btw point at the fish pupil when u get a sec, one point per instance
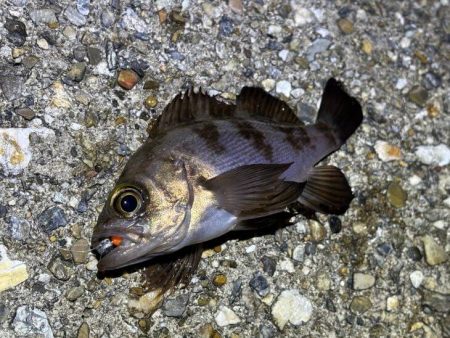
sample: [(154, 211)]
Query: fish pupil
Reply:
[(129, 203)]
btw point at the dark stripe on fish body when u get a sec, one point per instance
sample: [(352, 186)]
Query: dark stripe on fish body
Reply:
[(258, 139), (296, 137), (209, 133)]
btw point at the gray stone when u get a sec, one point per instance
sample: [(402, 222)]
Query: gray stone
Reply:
[(74, 293), (26, 113), (418, 95), (260, 284), (83, 6), (437, 301), (318, 46), (269, 265), (74, 16), (111, 56), (94, 55), (43, 16), (11, 84), (30, 321), (76, 72), (80, 251), (17, 32), (51, 219), (362, 281), (18, 228), (176, 307), (59, 269), (360, 304), (226, 26), (107, 18)]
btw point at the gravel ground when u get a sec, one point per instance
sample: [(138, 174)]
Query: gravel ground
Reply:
[(79, 81)]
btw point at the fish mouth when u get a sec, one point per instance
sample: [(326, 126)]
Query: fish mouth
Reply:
[(133, 247)]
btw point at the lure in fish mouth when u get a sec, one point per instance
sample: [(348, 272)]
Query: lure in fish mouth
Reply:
[(209, 168)]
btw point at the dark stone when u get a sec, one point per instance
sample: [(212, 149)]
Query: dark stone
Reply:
[(269, 265), (267, 331), (225, 26), (274, 45), (384, 249), (174, 54), (26, 113), (344, 12), (123, 150), (436, 301), (335, 224), (18, 229), (310, 249), (432, 80), (3, 211), (3, 313), (59, 269), (329, 304), (51, 219), (94, 55), (176, 307), (260, 284), (111, 56), (17, 32), (236, 291), (414, 253), (80, 53)]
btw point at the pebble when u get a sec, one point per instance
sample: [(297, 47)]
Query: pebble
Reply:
[(302, 15), (418, 95), (260, 284), (225, 316), (284, 88), (396, 195), (269, 265), (335, 224), (175, 307), (226, 26), (3, 211), (74, 16), (416, 278), (414, 253), (51, 219), (367, 46), (18, 228), (287, 265), (58, 269), (107, 18), (43, 15), (432, 80), (151, 102), (83, 6), (11, 84), (434, 155), (80, 250), (236, 6), (42, 43), (434, 253), (94, 55), (360, 304), (345, 25), (111, 56), (438, 302), (30, 321), (318, 46), (83, 331), (384, 249), (74, 293), (299, 253), (387, 152), (12, 273), (268, 84), (363, 281), (17, 32), (219, 280), (317, 231), (292, 307), (27, 113), (392, 303), (127, 79), (76, 72)]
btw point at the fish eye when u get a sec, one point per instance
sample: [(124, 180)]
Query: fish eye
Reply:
[(128, 201)]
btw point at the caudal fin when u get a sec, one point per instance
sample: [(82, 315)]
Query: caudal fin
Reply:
[(339, 111), (326, 191)]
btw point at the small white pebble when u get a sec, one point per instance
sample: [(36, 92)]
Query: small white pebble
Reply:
[(250, 248), (42, 43), (416, 278), (440, 224), (284, 87), (434, 155), (414, 180), (287, 265), (297, 92), (225, 316), (283, 54), (268, 84), (401, 83)]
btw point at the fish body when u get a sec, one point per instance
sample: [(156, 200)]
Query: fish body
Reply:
[(209, 168)]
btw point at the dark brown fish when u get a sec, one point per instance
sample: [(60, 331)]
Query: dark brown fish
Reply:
[(209, 168)]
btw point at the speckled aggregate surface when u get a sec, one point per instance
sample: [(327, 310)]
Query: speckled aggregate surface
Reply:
[(385, 273)]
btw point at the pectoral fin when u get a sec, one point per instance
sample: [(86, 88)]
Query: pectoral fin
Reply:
[(168, 271), (326, 191), (254, 190)]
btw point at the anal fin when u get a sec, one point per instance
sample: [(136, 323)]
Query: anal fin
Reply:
[(326, 191)]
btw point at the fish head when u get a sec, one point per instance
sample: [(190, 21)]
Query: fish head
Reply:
[(146, 214)]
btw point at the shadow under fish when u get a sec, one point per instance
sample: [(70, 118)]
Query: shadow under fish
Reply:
[(210, 169)]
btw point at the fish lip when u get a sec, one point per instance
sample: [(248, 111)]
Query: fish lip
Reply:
[(121, 257)]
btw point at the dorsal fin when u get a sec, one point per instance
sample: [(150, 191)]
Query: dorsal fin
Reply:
[(189, 107), (254, 102)]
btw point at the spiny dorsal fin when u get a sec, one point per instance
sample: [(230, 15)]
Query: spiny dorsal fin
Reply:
[(254, 102), (191, 107)]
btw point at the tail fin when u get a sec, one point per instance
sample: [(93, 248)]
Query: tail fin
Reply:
[(326, 191), (339, 111)]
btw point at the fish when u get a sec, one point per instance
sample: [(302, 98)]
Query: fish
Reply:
[(210, 167)]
